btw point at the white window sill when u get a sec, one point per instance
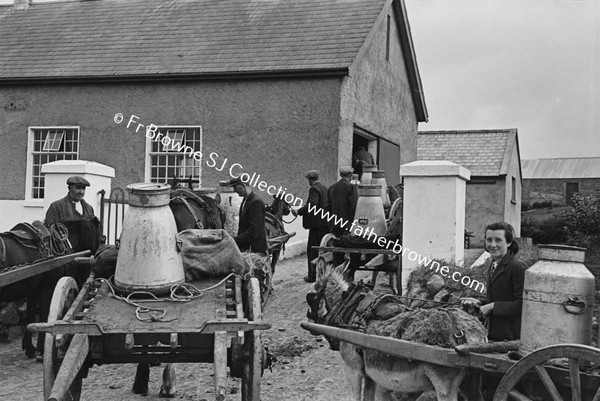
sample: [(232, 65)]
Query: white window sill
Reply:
[(33, 203)]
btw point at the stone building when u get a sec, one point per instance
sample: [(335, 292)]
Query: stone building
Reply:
[(556, 180), (274, 88), (492, 156)]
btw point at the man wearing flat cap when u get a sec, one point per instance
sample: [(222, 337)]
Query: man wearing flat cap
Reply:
[(342, 202), (252, 236), (72, 205), (316, 226)]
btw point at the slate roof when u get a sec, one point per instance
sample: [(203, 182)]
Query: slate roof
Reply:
[(483, 152), (561, 168), (124, 37)]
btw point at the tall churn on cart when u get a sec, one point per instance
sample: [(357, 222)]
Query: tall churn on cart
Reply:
[(558, 298), (148, 256), (378, 178), (367, 174), (369, 209)]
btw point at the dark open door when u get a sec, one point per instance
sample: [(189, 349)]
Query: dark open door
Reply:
[(572, 189), (389, 160)]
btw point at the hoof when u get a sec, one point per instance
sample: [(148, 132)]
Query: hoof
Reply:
[(166, 392), (140, 387)]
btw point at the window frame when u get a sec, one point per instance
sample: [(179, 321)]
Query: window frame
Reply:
[(29, 199), (149, 153)]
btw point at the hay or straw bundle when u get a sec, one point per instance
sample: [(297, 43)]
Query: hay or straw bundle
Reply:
[(257, 265)]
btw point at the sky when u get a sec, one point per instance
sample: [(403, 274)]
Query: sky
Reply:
[(533, 65)]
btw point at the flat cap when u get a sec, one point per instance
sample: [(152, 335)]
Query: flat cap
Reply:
[(346, 170), (312, 174), (79, 181), (232, 182)]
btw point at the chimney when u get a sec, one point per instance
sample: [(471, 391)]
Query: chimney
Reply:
[(22, 4)]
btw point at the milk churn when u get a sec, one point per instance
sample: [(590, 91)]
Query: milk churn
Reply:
[(558, 299), (367, 174), (148, 256), (354, 179), (230, 203), (369, 209), (379, 179)]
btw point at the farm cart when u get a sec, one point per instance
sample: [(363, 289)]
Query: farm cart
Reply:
[(563, 379), (221, 326), (15, 274)]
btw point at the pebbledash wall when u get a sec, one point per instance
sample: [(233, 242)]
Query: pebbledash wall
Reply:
[(376, 97)]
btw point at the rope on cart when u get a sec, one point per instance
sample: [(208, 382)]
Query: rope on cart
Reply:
[(152, 314)]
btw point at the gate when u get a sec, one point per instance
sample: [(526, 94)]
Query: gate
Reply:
[(112, 213)]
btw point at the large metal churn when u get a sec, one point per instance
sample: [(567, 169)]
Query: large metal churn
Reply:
[(148, 256)]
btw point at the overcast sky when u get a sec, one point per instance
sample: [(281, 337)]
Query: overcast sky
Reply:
[(533, 65)]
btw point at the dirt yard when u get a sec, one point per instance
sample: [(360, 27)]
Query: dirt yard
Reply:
[(305, 368)]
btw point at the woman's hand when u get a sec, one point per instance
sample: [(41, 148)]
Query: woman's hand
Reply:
[(470, 302), (487, 309)]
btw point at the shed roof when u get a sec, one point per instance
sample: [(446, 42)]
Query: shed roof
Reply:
[(483, 152), (575, 167)]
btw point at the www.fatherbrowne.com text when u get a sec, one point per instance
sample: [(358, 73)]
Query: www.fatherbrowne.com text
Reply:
[(237, 170)]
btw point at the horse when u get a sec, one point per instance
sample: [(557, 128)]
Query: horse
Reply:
[(369, 371), (20, 248)]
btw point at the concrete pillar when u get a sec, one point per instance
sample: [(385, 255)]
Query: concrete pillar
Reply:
[(57, 173), (434, 213)]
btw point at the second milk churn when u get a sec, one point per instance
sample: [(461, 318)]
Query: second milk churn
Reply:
[(367, 174), (369, 209), (379, 179), (148, 256), (558, 298), (230, 203)]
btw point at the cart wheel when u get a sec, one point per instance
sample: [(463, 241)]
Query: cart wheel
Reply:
[(396, 208), (253, 363), (64, 294), (535, 361), (327, 240)]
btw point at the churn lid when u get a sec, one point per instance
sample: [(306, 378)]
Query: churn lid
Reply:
[(149, 194)]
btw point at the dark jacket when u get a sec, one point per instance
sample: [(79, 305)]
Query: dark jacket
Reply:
[(317, 196), (65, 209), (505, 290), (251, 233), (342, 202)]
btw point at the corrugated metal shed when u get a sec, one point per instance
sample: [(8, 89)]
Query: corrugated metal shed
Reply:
[(483, 152), (581, 167)]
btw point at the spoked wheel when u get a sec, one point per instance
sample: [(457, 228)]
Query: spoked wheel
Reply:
[(576, 354), (254, 353), (55, 347)]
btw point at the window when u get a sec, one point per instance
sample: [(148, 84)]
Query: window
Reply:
[(173, 157), (513, 197), (48, 145)]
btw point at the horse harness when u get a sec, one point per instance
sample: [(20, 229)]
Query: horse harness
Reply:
[(180, 195), (48, 243), (358, 305)]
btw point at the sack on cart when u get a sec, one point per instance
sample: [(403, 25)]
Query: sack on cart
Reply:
[(209, 253)]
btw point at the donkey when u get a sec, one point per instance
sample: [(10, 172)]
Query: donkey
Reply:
[(368, 370)]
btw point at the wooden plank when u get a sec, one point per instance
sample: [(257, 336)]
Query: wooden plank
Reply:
[(44, 266), (390, 346), (93, 329), (483, 348), (575, 379), (488, 363), (70, 366), (220, 365), (375, 251), (239, 307)]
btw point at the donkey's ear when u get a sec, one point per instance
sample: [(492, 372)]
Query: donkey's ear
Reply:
[(322, 269), (341, 269)]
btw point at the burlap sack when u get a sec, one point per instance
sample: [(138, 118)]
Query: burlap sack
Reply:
[(209, 253)]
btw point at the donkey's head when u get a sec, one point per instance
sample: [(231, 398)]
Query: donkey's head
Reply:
[(326, 291)]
